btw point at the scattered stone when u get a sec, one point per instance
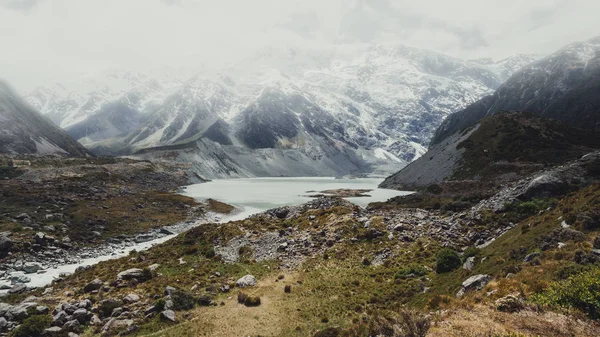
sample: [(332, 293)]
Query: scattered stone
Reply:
[(287, 289), (224, 288), (81, 315), (60, 319), (134, 273), (107, 306), (54, 331), (19, 277), (93, 285), (131, 298), (114, 325), (469, 263), (168, 315), (31, 267), (17, 289), (246, 281), (6, 244), (73, 326), (153, 267), (476, 282)]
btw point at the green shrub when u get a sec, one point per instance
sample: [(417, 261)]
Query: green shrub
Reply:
[(159, 304), (580, 291), (532, 207), (414, 269), (33, 326), (470, 252), (447, 260)]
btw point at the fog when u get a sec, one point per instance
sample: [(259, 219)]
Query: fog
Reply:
[(61, 39)]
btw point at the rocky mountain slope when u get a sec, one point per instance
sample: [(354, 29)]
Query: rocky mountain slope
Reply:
[(374, 107), (562, 86), (23, 130), (498, 148)]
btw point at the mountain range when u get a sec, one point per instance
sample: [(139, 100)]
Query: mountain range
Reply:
[(296, 112), (557, 118)]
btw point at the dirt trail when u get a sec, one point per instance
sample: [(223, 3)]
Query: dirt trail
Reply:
[(276, 314)]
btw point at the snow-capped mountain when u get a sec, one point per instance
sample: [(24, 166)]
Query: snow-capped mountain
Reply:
[(23, 130), (563, 86), (374, 106)]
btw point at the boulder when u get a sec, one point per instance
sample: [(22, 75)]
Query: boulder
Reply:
[(131, 298), (60, 319), (476, 282), (4, 308), (107, 306), (469, 263), (93, 285), (21, 311), (31, 267), (6, 244), (246, 281), (168, 315), (114, 326), (82, 316), (19, 277), (134, 273), (545, 185), (73, 326)]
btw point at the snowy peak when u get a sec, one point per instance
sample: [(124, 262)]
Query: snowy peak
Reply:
[(564, 86)]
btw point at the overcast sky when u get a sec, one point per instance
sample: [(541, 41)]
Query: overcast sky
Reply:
[(60, 39)]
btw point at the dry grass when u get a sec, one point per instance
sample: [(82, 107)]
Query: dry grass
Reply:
[(482, 321)]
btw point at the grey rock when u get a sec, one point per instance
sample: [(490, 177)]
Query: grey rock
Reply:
[(531, 257), (17, 289), (60, 319), (469, 263), (476, 282), (134, 273), (131, 298), (19, 277), (107, 306), (54, 331), (114, 325), (73, 326), (168, 315), (31, 267), (82, 315), (246, 281), (6, 244), (93, 285)]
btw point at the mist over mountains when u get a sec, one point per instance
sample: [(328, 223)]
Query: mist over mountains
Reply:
[(369, 110)]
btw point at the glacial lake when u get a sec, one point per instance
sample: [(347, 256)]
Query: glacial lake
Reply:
[(249, 196), (255, 195)]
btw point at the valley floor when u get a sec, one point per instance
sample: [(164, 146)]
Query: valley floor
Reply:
[(422, 265)]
